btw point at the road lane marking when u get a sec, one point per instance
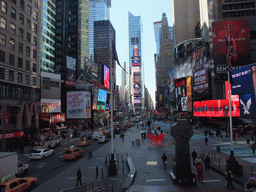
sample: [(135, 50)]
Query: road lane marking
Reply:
[(155, 180), (209, 181), (70, 178)]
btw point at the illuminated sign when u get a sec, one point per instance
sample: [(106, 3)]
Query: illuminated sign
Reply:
[(71, 71), (180, 83), (106, 76), (136, 70)]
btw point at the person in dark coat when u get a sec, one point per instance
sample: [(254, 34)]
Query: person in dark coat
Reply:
[(194, 156), (164, 158), (78, 177), (205, 132), (229, 177), (206, 140), (207, 163), (253, 147)]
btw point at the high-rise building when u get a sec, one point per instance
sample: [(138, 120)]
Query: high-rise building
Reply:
[(157, 29), (20, 34), (165, 59), (104, 35), (135, 57), (98, 10), (48, 36)]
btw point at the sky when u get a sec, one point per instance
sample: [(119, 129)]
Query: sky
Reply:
[(150, 12)]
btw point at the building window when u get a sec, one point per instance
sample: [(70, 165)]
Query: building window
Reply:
[(29, 10), (2, 73), (28, 51), (27, 79), (11, 75), (21, 19), (22, 4), (28, 37), (34, 81), (2, 56), (12, 28), (19, 77), (35, 15), (27, 65), (20, 48), (4, 6), (2, 39), (21, 33), (20, 62), (14, 1), (11, 59), (34, 54), (34, 67), (35, 28), (13, 13), (2, 23), (12, 44), (36, 3), (28, 23), (35, 41)]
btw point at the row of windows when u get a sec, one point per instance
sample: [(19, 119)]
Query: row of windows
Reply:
[(239, 14), (19, 77), (19, 62), (15, 92), (12, 46)]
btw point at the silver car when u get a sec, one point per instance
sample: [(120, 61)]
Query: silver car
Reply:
[(41, 153), (103, 139)]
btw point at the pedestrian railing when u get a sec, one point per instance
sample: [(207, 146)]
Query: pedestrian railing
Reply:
[(106, 186)]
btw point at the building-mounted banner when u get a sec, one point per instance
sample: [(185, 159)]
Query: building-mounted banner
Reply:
[(51, 105), (189, 94), (136, 78), (71, 72), (78, 105), (136, 70), (170, 80), (106, 76), (136, 56), (136, 90)]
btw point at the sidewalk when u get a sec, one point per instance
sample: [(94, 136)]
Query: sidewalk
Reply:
[(218, 160)]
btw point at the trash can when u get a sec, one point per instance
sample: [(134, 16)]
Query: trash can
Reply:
[(218, 149)]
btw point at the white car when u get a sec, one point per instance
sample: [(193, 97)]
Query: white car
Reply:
[(41, 153), (103, 139)]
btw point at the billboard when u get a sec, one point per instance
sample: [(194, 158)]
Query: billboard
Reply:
[(136, 78), (108, 102), (238, 33), (90, 69), (54, 105), (78, 105), (180, 92), (106, 76), (71, 71), (200, 65), (247, 105), (136, 70), (189, 94), (170, 80), (102, 97), (136, 56), (95, 98), (136, 90), (50, 85)]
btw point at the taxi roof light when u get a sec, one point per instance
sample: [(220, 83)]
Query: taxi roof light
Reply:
[(8, 178)]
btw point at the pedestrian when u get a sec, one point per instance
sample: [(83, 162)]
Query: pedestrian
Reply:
[(194, 156), (229, 177), (78, 177), (207, 163), (200, 170), (142, 133), (205, 132), (253, 147), (164, 158), (198, 160), (97, 172), (206, 140), (132, 142), (137, 126)]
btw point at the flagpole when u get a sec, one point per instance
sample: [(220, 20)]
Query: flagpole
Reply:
[(230, 118)]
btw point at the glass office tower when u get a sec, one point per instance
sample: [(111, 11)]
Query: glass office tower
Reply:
[(135, 60), (98, 10)]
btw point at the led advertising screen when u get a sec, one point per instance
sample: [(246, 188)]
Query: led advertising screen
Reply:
[(106, 76), (247, 105), (95, 98), (71, 71), (235, 33), (78, 105), (136, 56), (90, 69), (136, 90), (170, 80), (108, 102), (136, 70), (102, 97), (136, 78), (200, 65)]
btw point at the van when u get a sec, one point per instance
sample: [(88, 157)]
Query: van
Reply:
[(96, 135)]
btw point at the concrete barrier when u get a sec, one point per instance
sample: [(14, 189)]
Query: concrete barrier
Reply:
[(129, 179)]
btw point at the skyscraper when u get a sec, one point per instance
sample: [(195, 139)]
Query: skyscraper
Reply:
[(157, 29), (98, 10), (135, 56)]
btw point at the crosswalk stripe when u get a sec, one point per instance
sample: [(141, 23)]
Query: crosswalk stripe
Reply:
[(155, 180), (208, 181)]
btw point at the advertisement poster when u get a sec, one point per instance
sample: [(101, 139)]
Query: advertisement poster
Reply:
[(136, 78), (54, 105), (200, 65), (184, 106), (136, 70), (102, 97), (238, 33), (136, 90), (247, 106), (90, 69), (71, 71), (189, 94), (95, 98), (181, 91), (170, 80), (136, 56), (108, 102), (106, 76), (78, 105)]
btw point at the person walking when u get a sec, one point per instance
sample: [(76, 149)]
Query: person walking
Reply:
[(206, 140), (78, 177), (253, 147), (198, 160), (205, 132), (229, 177), (194, 156), (200, 170), (97, 172), (207, 163), (164, 158)]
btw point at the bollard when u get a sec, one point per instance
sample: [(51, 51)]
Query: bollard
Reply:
[(251, 172), (219, 162), (102, 173)]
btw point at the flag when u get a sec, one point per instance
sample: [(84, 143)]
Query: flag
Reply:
[(115, 57)]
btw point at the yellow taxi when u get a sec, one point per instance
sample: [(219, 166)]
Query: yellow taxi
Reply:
[(83, 142), (72, 153), (12, 184)]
